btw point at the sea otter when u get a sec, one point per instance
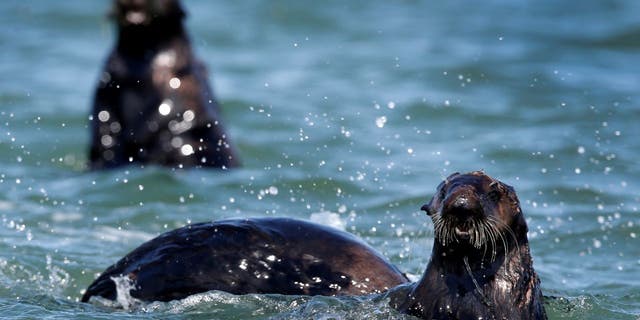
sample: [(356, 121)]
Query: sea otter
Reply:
[(260, 255), (480, 266), (153, 103)]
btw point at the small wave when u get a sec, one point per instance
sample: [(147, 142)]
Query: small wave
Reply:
[(118, 235), (586, 307), (6, 205), (325, 308), (222, 305), (66, 216)]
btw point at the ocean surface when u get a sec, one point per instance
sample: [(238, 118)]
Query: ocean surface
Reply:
[(344, 113)]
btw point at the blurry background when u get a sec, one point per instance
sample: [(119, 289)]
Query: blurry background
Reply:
[(348, 114)]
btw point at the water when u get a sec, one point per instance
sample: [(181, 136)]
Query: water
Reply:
[(347, 113)]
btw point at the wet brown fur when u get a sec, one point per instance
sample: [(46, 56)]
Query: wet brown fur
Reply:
[(261, 255), (127, 126), (480, 265)]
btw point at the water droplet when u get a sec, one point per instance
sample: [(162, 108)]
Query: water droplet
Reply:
[(176, 142), (597, 243), (165, 107), (106, 140), (381, 121), (174, 83), (187, 150), (188, 116), (115, 127), (166, 59), (104, 116)]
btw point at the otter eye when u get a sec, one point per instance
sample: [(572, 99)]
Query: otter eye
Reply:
[(494, 195)]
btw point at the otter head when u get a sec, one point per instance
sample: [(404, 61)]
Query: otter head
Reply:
[(473, 210), (140, 13)]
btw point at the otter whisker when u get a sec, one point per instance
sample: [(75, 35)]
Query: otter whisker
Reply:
[(444, 237), (446, 234), (478, 236), (504, 241), (479, 274), (499, 236), (488, 238), (474, 233), (492, 235), (509, 230), (436, 226), (450, 233), (496, 235), (484, 233), (441, 229)]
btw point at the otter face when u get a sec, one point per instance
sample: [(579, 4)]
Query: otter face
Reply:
[(129, 13), (475, 209)]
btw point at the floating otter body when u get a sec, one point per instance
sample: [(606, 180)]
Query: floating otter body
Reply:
[(153, 103), (480, 266), (262, 255)]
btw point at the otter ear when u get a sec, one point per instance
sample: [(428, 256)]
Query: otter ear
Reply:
[(182, 13), (427, 208), (452, 175), (176, 9), (114, 13)]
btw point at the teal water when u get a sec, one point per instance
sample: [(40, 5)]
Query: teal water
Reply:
[(343, 113)]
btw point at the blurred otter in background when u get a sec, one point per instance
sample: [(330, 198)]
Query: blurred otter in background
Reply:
[(153, 103)]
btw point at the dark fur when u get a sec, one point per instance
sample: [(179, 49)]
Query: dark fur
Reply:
[(151, 49), (507, 286), (265, 255)]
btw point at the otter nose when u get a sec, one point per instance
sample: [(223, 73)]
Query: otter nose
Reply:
[(463, 203)]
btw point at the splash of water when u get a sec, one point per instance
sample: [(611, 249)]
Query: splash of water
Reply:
[(58, 278), (327, 218), (123, 292)]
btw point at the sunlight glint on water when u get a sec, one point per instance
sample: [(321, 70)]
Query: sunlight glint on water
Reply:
[(348, 114)]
